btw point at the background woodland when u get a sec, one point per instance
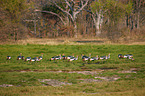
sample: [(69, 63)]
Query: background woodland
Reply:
[(117, 20)]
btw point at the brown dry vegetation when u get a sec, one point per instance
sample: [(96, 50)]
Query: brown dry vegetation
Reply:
[(73, 41)]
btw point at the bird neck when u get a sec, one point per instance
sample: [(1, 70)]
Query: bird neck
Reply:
[(90, 55)]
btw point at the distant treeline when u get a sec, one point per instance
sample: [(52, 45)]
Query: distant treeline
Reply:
[(112, 19)]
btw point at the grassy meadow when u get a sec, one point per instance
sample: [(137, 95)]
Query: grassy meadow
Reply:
[(80, 78)]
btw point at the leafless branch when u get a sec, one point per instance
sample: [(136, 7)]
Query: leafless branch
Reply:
[(55, 15), (67, 12)]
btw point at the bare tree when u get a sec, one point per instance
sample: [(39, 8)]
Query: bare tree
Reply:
[(97, 12), (138, 4), (71, 10)]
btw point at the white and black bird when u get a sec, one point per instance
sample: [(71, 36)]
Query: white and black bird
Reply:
[(55, 57), (52, 58), (34, 59), (104, 57), (28, 59), (37, 59), (94, 58), (107, 56), (64, 57), (41, 57), (20, 57), (68, 57), (129, 56), (85, 58), (58, 57), (8, 57), (125, 56), (120, 56), (73, 58)]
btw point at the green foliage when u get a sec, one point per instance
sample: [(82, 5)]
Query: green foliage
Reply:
[(114, 9), (99, 5), (14, 7), (129, 7)]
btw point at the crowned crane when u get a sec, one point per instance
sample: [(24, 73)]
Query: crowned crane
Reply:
[(120, 56), (129, 56), (102, 57), (64, 57), (94, 58), (125, 56), (108, 56), (34, 59), (37, 59), (73, 58), (56, 57), (52, 58), (8, 57), (105, 57), (86, 58), (68, 57), (23, 57), (28, 59), (41, 57), (20, 57)]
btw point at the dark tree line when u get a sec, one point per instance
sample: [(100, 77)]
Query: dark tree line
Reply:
[(113, 19)]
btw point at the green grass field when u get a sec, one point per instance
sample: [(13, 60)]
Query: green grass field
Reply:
[(80, 78)]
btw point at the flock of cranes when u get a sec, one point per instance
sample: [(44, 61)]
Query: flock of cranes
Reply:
[(20, 57), (72, 58), (129, 56)]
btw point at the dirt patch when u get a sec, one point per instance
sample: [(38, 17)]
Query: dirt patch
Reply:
[(127, 71), (132, 70), (93, 72), (53, 82), (89, 80), (6, 85), (87, 72), (108, 78)]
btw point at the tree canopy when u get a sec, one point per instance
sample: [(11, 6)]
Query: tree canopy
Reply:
[(72, 18)]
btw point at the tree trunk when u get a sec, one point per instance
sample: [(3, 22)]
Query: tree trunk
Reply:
[(127, 21), (98, 32), (97, 21), (138, 16), (97, 25), (17, 36), (75, 30), (35, 27), (14, 35)]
